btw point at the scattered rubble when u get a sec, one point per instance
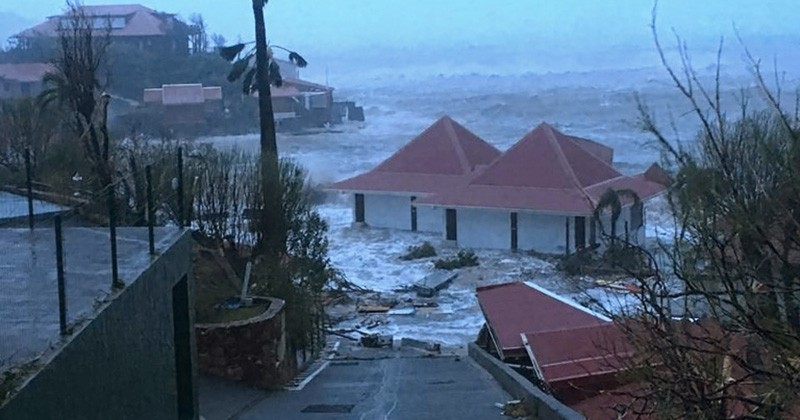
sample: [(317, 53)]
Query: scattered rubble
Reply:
[(422, 345), (514, 408), (430, 285), (377, 341)]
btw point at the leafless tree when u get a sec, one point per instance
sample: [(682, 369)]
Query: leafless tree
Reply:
[(76, 84), (716, 330)]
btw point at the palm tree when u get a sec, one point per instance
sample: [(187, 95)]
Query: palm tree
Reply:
[(612, 200), (259, 78)]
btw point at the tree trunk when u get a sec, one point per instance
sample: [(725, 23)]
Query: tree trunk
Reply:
[(266, 118), (272, 214)]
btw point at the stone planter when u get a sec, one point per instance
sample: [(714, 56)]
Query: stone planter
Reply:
[(250, 351)]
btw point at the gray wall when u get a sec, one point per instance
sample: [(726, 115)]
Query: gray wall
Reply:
[(121, 365), (483, 228), (430, 219), (387, 211)]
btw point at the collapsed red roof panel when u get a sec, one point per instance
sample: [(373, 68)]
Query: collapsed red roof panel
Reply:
[(511, 309), (572, 353)]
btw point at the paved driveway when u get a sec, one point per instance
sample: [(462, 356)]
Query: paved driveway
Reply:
[(400, 387), (366, 383)]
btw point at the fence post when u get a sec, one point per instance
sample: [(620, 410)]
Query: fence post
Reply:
[(151, 213), (29, 185), (181, 220), (112, 227), (62, 295)]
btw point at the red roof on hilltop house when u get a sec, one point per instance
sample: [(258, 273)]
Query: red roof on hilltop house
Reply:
[(140, 21), (440, 158), (512, 309), (24, 72), (547, 171)]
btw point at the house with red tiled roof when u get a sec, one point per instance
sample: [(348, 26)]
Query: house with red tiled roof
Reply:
[(441, 158), (22, 80), (134, 24), (541, 194)]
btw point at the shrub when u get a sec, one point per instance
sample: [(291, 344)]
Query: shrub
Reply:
[(462, 259), (579, 263), (419, 251), (629, 259)]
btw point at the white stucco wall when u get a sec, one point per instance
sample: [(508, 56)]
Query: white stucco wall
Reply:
[(430, 219), (387, 211), (542, 232), (483, 228)]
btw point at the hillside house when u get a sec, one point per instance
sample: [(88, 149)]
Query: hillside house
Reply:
[(22, 80), (300, 103), (442, 157), (541, 194), (187, 107), (133, 24)]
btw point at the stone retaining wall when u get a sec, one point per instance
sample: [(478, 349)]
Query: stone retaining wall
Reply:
[(251, 351)]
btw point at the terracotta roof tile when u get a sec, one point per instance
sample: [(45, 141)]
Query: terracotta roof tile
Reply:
[(441, 157), (545, 171), (24, 72), (140, 21)]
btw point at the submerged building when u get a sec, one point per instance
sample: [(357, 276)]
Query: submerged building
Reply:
[(442, 157), (541, 194)]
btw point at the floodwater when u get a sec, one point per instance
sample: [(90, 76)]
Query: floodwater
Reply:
[(500, 108)]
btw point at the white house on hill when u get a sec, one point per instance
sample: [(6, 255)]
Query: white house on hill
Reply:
[(442, 157), (540, 195)]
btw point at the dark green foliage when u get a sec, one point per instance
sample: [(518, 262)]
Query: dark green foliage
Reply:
[(579, 263), (415, 252), (618, 258), (229, 53), (464, 258), (238, 68), (275, 77), (247, 82), (298, 60), (613, 200)]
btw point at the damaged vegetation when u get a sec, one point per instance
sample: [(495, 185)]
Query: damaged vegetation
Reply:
[(464, 258), (416, 252), (619, 258)]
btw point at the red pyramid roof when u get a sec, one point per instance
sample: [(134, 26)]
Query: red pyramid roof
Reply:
[(545, 171), (545, 158), (440, 158)]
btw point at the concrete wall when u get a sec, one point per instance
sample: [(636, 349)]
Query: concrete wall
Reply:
[(483, 228), (543, 232), (121, 365), (539, 404), (387, 211), (430, 219)]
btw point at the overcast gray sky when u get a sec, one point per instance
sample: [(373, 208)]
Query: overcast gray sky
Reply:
[(325, 25)]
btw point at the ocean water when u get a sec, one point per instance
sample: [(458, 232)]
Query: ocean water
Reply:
[(500, 103)]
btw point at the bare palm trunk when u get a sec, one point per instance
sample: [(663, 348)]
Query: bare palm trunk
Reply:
[(271, 216), (267, 120)]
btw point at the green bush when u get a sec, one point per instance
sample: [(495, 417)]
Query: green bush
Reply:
[(413, 252), (580, 263), (627, 258), (462, 259)]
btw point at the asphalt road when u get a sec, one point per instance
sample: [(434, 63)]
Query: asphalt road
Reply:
[(379, 384)]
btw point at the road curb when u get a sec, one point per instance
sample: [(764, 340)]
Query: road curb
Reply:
[(538, 403)]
